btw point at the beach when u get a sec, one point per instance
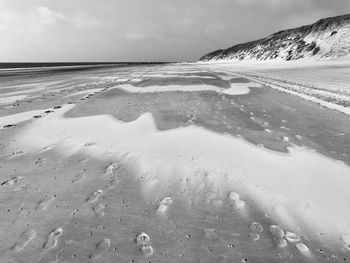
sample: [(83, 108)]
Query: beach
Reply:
[(213, 162)]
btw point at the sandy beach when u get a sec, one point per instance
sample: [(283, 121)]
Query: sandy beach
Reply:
[(191, 162)]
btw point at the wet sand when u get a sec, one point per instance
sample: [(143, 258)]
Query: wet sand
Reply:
[(59, 206), (264, 117)]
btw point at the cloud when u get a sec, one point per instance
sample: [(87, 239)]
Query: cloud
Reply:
[(214, 29), (34, 20), (134, 36), (82, 21), (269, 3), (48, 16), (137, 30)]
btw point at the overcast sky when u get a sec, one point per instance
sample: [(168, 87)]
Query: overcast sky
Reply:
[(145, 30)]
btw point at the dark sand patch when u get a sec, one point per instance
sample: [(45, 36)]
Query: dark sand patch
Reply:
[(264, 117), (239, 80), (159, 81), (190, 74)]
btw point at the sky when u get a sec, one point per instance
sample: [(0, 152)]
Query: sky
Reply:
[(145, 30)]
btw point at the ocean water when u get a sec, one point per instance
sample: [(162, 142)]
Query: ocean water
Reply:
[(34, 68)]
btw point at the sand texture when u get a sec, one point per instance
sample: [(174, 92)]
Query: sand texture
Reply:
[(176, 163)]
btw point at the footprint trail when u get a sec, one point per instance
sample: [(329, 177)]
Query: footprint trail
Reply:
[(52, 239), (100, 248), (24, 240)]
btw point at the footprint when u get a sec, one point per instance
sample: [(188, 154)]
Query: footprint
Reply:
[(23, 240), (98, 210), (12, 181), (52, 239), (276, 231), (345, 237), (292, 238), (256, 227), (9, 126), (100, 248), (112, 169), (278, 236), (78, 177), (144, 242), (164, 205), (94, 196), (233, 196), (142, 239), (44, 203), (147, 250), (303, 249)]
